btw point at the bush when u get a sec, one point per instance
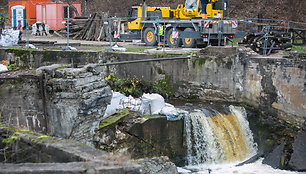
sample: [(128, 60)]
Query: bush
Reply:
[(137, 87)]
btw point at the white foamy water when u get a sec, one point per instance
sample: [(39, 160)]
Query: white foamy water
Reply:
[(230, 168)]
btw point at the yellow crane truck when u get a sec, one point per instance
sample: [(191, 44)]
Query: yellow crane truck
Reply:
[(191, 24)]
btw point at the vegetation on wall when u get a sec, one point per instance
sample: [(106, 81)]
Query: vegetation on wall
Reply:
[(136, 87)]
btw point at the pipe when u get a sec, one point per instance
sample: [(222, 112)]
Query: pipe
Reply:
[(144, 60)]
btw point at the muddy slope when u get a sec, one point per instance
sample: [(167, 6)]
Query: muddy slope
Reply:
[(287, 9)]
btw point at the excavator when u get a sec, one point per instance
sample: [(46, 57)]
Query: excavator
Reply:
[(191, 24)]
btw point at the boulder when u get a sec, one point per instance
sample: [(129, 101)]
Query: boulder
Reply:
[(274, 159), (76, 99), (298, 157), (158, 165)]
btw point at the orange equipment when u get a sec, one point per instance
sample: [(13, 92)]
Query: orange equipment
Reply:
[(30, 8)]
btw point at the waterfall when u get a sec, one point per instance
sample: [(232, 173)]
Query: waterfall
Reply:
[(218, 138)]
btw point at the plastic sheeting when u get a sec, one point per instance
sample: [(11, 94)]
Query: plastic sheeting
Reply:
[(115, 104), (40, 29), (152, 104), (9, 38), (148, 104), (3, 68)]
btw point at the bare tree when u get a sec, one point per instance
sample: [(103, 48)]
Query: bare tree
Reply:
[(71, 6)]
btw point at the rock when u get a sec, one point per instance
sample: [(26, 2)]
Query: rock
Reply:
[(158, 165), (298, 158), (142, 137), (274, 158), (76, 100), (161, 137), (48, 69)]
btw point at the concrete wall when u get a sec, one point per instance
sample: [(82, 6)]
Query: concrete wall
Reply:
[(37, 58), (21, 103), (274, 85)]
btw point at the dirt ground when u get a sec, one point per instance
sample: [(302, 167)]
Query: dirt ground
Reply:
[(62, 42)]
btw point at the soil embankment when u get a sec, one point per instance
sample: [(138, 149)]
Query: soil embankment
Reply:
[(293, 10)]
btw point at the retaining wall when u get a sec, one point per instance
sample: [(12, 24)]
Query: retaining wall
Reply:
[(274, 85)]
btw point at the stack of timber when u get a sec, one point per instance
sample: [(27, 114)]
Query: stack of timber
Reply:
[(94, 28), (75, 25), (267, 41)]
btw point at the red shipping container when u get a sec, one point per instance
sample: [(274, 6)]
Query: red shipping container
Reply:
[(55, 13)]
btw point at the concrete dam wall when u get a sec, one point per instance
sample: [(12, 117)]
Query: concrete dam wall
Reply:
[(275, 86)]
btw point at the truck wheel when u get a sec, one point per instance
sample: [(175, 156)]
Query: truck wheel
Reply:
[(189, 42), (149, 37), (173, 43)]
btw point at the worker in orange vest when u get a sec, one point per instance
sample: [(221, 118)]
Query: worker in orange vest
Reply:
[(19, 27), (2, 21)]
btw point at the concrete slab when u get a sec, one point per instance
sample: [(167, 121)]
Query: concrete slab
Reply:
[(172, 50)]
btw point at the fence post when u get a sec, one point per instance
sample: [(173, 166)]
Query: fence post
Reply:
[(68, 15), (27, 33), (110, 32), (245, 23), (164, 41), (266, 41), (220, 31)]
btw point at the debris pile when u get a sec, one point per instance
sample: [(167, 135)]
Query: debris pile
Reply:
[(75, 26), (96, 28), (9, 38), (267, 42)]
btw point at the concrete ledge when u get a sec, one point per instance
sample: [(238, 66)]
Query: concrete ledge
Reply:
[(177, 51), (60, 168), (56, 155)]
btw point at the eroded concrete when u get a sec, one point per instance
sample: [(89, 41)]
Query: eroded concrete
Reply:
[(274, 85)]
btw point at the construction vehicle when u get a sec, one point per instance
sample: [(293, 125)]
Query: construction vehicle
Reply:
[(195, 23)]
